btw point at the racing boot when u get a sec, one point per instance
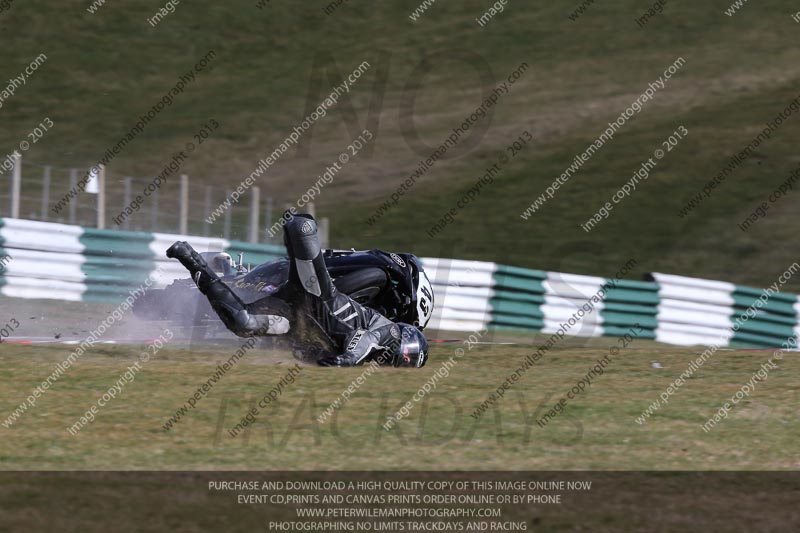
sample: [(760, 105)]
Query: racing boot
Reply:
[(229, 307), (203, 276), (307, 264)]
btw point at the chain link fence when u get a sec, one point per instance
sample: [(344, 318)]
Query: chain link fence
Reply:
[(42, 187)]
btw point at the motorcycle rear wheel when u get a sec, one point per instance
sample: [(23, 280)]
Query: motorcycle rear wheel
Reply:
[(362, 285)]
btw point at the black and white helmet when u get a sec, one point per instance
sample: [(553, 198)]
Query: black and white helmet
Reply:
[(412, 350)]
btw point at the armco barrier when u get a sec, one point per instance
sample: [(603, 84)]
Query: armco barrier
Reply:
[(61, 262)]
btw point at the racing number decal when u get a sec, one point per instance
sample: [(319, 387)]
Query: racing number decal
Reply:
[(423, 303), (426, 292)]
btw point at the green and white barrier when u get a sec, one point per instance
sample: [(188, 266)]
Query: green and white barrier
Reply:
[(472, 295), (62, 262), (698, 311)]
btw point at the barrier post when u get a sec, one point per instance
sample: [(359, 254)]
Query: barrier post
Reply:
[(226, 230), (184, 222), (207, 211), (269, 213), (73, 183), (16, 181), (254, 215), (101, 197), (154, 211), (45, 191), (324, 232), (127, 200)]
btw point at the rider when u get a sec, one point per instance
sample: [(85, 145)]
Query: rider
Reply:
[(356, 333)]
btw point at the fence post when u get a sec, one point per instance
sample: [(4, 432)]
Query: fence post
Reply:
[(154, 211), (207, 211), (73, 182), (184, 224), (254, 214), (226, 231), (324, 232), (101, 197), (16, 181), (127, 201), (269, 214), (45, 191)]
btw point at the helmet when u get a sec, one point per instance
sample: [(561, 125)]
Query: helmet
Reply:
[(423, 293), (221, 263), (413, 348)]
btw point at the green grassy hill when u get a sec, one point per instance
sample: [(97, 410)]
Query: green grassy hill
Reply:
[(275, 64)]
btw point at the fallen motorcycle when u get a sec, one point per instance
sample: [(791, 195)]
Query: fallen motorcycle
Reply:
[(393, 284)]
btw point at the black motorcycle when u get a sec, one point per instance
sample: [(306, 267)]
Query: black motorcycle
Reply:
[(393, 284)]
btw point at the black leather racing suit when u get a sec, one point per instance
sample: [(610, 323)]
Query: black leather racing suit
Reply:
[(357, 333)]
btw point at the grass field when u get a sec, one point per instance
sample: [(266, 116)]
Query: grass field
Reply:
[(273, 65), (596, 431)]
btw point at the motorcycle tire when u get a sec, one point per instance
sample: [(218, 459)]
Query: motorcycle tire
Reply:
[(362, 285)]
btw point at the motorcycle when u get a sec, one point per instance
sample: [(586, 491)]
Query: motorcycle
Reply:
[(393, 284)]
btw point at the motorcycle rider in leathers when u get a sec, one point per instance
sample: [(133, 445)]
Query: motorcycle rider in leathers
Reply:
[(355, 333)]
